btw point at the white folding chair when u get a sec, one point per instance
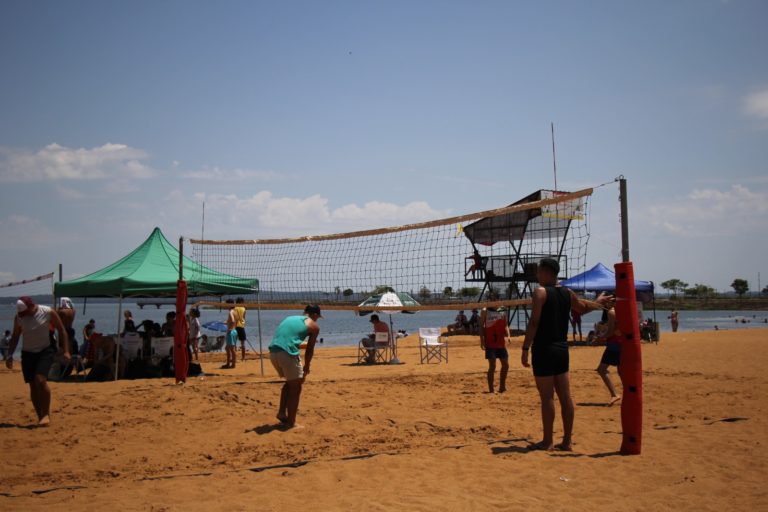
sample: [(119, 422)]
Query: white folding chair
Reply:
[(161, 347), (132, 345), (374, 350), (431, 348)]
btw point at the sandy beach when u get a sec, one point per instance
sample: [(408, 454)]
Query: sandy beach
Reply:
[(407, 437)]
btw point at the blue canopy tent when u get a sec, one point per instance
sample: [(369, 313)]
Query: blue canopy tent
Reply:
[(601, 279)]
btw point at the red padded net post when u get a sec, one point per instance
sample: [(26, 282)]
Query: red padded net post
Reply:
[(181, 333), (631, 364)]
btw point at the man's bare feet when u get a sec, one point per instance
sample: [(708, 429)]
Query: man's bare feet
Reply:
[(289, 426), (502, 390), (44, 421), (282, 419), (613, 400), (541, 445), (565, 447)]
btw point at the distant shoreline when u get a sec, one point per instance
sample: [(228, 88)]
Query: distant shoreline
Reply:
[(662, 303), (724, 304)]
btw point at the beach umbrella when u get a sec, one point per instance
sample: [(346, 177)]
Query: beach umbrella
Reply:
[(384, 303), (215, 326)]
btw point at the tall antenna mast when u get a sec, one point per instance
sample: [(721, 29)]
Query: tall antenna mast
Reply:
[(554, 158), (202, 230)]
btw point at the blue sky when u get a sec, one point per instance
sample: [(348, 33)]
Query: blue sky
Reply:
[(309, 117)]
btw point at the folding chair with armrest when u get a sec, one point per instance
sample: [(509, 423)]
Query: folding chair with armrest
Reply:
[(374, 350), (431, 348)]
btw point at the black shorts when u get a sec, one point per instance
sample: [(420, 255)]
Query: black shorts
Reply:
[(550, 360), (496, 353), (240, 333), (611, 354), (37, 363)]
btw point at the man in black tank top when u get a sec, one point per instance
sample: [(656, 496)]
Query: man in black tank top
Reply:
[(547, 332)]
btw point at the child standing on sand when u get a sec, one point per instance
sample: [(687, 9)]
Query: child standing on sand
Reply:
[(494, 332)]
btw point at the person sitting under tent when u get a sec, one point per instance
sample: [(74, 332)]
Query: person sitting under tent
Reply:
[(104, 362), (87, 350), (128, 324), (170, 323)]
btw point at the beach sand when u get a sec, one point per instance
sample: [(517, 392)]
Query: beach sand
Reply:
[(407, 437)]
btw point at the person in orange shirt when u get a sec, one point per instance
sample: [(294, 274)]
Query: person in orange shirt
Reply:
[(378, 326), (494, 332)]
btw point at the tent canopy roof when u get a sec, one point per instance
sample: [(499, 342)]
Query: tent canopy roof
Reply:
[(536, 223), (601, 279), (152, 270)]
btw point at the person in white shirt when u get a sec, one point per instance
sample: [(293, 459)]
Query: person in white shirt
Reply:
[(34, 323)]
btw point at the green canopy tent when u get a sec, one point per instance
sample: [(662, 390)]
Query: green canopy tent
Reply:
[(152, 270)]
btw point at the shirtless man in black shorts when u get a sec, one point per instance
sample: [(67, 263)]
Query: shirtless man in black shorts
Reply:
[(548, 333)]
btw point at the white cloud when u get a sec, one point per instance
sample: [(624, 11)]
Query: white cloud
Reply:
[(264, 215), (750, 180), (24, 232), (120, 186), (372, 213), (711, 212), (55, 162), (216, 173), (756, 104), (69, 194)]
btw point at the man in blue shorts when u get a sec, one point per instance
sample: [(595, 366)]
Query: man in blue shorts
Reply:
[(231, 340), (611, 335), (548, 333), (284, 352)]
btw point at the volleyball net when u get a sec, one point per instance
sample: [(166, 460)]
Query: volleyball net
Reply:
[(40, 288), (482, 259)]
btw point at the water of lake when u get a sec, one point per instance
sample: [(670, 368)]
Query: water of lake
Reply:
[(344, 328)]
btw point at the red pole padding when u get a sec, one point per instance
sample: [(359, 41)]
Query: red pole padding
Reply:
[(631, 363), (181, 333)]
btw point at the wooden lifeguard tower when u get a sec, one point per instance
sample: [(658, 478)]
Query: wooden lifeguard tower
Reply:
[(509, 247)]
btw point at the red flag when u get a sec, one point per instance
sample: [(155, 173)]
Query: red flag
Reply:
[(181, 333)]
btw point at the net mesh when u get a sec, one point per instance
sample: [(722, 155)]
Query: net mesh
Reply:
[(39, 288), (486, 257)]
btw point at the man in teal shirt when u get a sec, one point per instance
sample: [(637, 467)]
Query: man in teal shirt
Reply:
[(284, 352)]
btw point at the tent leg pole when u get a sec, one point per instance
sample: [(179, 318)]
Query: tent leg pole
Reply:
[(261, 349), (117, 341), (393, 340)]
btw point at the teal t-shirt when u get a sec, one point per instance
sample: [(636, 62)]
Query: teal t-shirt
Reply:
[(289, 335)]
